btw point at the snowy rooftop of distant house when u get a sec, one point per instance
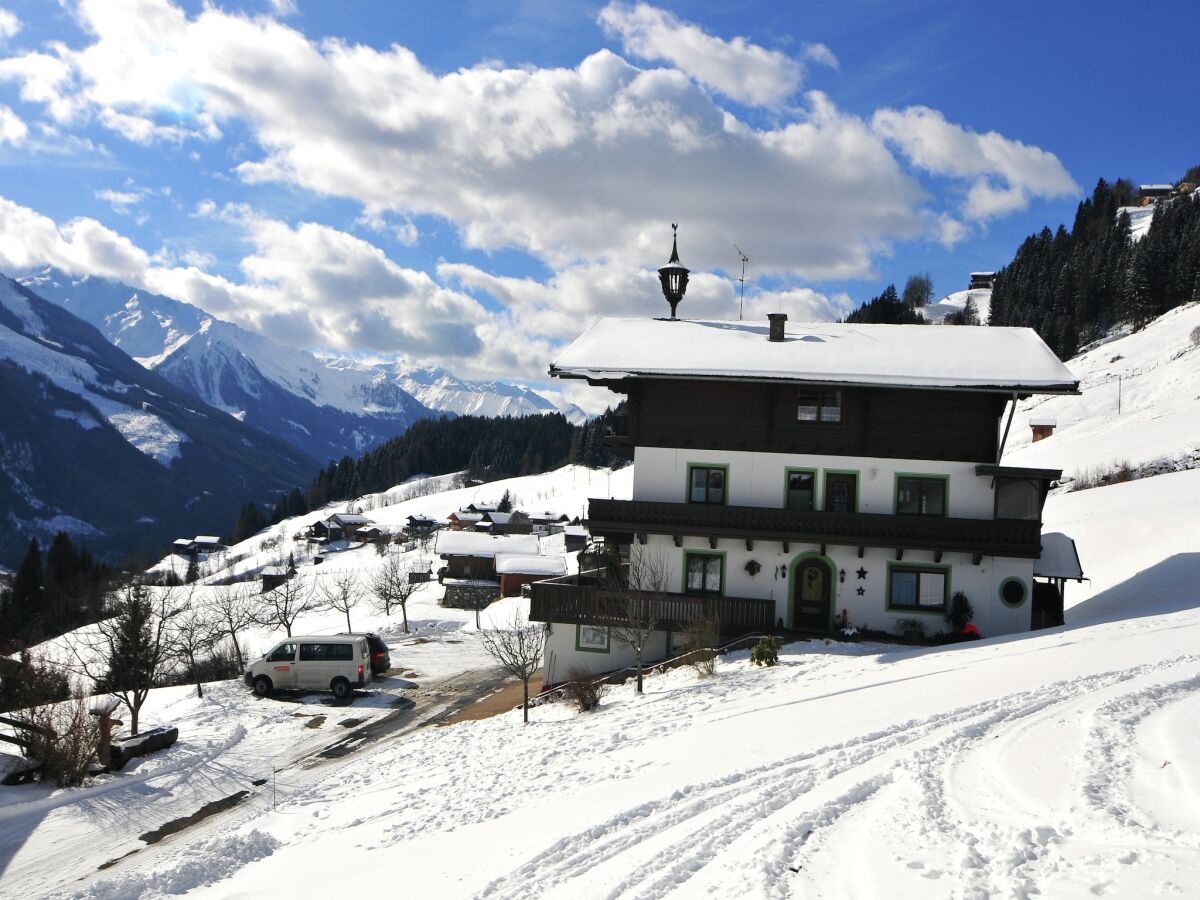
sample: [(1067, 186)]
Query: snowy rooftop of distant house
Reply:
[(836, 353), (1059, 558), (277, 571), (1043, 422), (514, 564), (478, 543), (1157, 187), (981, 274), (350, 518), (463, 516), (207, 539)]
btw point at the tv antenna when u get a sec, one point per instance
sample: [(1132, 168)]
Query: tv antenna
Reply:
[(741, 281)]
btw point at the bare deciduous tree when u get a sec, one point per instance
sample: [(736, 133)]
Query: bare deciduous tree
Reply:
[(126, 655), (194, 635), (281, 606), (638, 617), (229, 606), (340, 591), (392, 586), (517, 647)]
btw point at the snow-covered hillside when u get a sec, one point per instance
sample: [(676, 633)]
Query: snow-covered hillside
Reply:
[(1059, 764), (936, 313), (1140, 218), (1140, 402)]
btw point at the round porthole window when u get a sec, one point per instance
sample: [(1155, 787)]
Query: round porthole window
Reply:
[(1013, 591)]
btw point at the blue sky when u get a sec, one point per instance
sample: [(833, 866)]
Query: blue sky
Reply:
[(469, 183)]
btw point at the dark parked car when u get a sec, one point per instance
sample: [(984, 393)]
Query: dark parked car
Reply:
[(381, 658)]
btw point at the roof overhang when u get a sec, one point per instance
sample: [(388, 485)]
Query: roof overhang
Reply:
[(1018, 472)]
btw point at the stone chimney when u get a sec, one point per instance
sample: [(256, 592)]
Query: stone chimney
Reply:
[(776, 321)]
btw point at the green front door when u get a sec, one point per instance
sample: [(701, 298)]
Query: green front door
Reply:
[(811, 599)]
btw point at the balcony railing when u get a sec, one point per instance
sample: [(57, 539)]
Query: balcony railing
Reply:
[(990, 537), (566, 600)]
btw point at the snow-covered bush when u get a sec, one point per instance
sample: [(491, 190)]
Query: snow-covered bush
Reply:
[(583, 689)]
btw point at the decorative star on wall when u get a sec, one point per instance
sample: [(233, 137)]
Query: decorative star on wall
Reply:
[(861, 573), (861, 591)]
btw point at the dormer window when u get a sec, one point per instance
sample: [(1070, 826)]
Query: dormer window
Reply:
[(819, 406)]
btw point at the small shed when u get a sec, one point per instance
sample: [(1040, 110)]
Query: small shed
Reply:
[(982, 280), (516, 571), (1058, 564), (273, 577), (183, 547), (207, 543), (576, 537), (1043, 427)]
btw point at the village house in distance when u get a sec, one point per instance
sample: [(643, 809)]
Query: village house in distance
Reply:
[(789, 473)]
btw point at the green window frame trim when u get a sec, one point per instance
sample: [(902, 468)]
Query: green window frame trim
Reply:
[(1024, 592), (683, 586), (815, 473), (607, 635), (947, 593), (825, 473), (944, 478), (687, 485)]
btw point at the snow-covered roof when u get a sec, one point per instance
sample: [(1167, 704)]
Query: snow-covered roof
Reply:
[(575, 530), (207, 539), (519, 564), (982, 274), (467, 516), (1157, 187), (349, 518), (277, 571), (478, 543), (1043, 422), (824, 352), (499, 518), (183, 542), (1059, 558)]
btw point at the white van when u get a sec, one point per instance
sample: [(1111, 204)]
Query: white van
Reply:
[(337, 663)]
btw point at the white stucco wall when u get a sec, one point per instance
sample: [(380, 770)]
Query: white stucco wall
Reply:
[(561, 654), (980, 583), (758, 479)]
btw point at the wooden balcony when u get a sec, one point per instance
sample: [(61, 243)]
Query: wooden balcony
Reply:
[(566, 600), (622, 519)]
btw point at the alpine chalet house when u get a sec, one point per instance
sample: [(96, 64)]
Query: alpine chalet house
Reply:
[(787, 474)]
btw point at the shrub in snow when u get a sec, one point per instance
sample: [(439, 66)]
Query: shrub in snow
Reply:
[(63, 737), (849, 634), (911, 629), (766, 651), (700, 640), (583, 690)]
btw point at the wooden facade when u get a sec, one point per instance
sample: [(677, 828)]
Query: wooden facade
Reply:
[(754, 416)]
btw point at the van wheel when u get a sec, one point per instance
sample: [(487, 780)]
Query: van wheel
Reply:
[(341, 688), (262, 686)]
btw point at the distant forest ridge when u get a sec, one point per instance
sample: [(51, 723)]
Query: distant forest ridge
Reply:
[(486, 448), (1072, 287)]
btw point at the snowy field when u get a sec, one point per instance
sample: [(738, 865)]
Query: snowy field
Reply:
[(1064, 763)]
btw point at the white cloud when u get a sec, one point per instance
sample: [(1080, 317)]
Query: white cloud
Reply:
[(9, 24), (121, 201), (1004, 173), (12, 130), (822, 55), (283, 7), (737, 68)]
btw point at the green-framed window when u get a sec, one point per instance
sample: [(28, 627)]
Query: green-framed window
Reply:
[(817, 405), (841, 491), (592, 638), (922, 495), (800, 489), (708, 483), (703, 573), (1013, 592), (918, 588)]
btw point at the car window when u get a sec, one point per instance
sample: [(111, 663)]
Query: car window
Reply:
[(283, 653)]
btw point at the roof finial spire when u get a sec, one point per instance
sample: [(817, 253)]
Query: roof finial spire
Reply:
[(674, 243)]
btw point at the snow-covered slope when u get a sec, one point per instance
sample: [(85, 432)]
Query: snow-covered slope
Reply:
[(1140, 402), (936, 313), (1059, 764), (1140, 218), (94, 444)]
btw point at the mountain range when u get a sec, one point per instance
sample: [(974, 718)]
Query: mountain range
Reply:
[(325, 407), (94, 444)]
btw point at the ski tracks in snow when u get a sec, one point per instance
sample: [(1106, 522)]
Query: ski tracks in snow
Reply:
[(794, 826)]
